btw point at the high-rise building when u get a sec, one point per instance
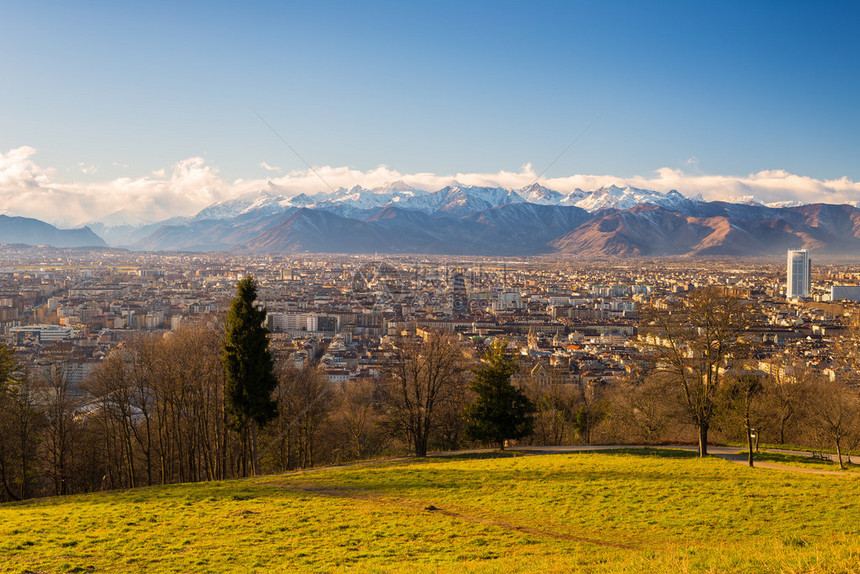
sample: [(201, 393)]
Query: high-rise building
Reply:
[(799, 274), (850, 292)]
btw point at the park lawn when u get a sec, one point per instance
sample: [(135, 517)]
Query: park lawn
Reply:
[(802, 461), (640, 511)]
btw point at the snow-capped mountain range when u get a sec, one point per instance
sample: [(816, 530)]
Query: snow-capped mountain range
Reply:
[(463, 219), (475, 220), (452, 199)]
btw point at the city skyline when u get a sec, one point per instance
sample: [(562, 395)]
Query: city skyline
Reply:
[(165, 109)]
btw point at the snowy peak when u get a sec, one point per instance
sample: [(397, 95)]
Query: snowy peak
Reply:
[(270, 202), (358, 199), (606, 197), (454, 199), (491, 196), (536, 193), (247, 202), (461, 200), (302, 200), (626, 198)]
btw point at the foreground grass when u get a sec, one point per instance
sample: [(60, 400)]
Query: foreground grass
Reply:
[(801, 461), (642, 511)]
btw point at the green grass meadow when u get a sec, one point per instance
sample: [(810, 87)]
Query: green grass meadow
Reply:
[(802, 461), (627, 511)]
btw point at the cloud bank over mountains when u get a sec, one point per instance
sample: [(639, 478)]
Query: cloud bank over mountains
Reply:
[(31, 190)]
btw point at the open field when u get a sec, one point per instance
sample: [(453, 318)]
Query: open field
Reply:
[(802, 461), (643, 511)]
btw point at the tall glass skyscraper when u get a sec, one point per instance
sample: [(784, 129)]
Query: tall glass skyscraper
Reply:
[(799, 274)]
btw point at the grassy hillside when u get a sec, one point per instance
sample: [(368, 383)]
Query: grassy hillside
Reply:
[(595, 512)]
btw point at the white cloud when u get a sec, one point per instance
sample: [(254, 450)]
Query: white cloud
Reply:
[(268, 167), (764, 186), (33, 191), (28, 189)]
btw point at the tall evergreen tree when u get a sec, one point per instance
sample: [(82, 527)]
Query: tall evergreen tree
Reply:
[(248, 367), (501, 411)]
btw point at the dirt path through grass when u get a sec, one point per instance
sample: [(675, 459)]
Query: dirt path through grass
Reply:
[(433, 510)]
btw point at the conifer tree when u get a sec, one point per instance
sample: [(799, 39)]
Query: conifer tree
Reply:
[(501, 411), (248, 367)]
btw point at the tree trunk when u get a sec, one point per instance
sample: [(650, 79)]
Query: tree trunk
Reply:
[(839, 454), (782, 422), (255, 464), (749, 428), (11, 494), (703, 440), (750, 444), (223, 437), (421, 440)]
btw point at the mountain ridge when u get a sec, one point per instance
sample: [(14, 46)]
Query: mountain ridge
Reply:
[(477, 220), (30, 231)]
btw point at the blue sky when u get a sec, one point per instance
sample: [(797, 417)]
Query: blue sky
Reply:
[(114, 90)]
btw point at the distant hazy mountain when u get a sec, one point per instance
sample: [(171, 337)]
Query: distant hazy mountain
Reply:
[(209, 234), (34, 232), (125, 234), (461, 219)]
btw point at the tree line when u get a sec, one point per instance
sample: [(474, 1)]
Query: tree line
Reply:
[(208, 402), (706, 375)]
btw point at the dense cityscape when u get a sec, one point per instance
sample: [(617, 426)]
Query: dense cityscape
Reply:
[(339, 311), (80, 324)]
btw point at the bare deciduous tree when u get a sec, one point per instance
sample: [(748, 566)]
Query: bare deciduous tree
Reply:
[(304, 398), (358, 418), (20, 423), (741, 394), (834, 415), (642, 410), (61, 434), (692, 338), (785, 398), (424, 376)]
